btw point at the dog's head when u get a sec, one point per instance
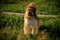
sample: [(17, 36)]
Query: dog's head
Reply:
[(31, 9)]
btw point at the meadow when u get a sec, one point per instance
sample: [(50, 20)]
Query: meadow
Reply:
[(11, 28)]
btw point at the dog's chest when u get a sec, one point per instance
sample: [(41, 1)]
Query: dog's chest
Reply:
[(32, 21)]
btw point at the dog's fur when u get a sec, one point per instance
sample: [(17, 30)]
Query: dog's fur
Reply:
[(31, 21)]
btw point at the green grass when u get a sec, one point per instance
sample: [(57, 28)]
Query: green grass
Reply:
[(12, 7), (11, 27), (43, 7), (10, 20)]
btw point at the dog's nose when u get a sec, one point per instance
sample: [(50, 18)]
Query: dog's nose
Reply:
[(30, 14)]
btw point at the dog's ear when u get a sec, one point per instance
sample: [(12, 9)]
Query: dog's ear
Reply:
[(32, 4)]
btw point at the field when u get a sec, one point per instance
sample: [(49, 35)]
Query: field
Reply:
[(11, 28)]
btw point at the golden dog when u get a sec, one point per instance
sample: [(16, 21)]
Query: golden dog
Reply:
[(31, 21)]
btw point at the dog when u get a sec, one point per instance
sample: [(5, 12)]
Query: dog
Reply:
[(31, 21)]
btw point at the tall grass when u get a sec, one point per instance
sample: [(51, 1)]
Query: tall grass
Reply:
[(10, 20), (11, 28)]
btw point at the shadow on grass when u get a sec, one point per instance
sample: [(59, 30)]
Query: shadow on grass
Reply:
[(54, 32)]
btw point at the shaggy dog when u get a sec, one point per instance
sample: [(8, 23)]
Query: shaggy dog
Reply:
[(31, 21)]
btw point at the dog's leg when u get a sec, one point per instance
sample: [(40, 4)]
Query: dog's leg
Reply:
[(36, 30), (33, 31), (27, 29)]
